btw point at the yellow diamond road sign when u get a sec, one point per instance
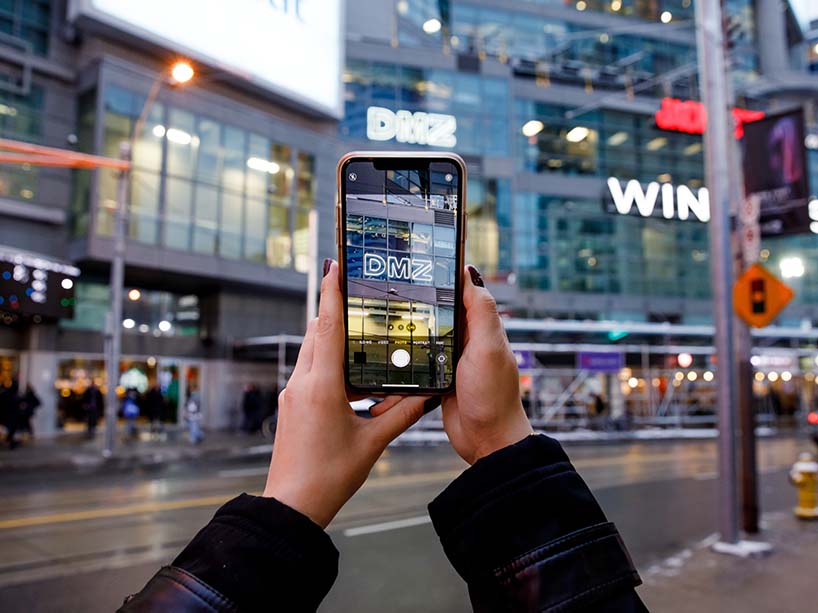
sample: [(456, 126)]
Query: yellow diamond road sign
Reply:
[(758, 296)]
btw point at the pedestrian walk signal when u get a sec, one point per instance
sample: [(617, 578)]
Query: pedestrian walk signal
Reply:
[(758, 296)]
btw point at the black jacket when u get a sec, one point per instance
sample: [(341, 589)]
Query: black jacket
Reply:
[(520, 526)]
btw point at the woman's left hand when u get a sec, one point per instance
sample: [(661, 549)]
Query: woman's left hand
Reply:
[(323, 451)]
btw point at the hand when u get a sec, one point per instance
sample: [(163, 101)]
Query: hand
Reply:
[(485, 413), (323, 452)]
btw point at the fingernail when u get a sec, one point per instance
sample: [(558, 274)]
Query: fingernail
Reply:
[(327, 265), (475, 276), (373, 405), (431, 404)]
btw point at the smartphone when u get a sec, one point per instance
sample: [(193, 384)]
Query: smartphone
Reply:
[(401, 231)]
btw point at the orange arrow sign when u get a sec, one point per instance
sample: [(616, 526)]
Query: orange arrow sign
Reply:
[(758, 296)]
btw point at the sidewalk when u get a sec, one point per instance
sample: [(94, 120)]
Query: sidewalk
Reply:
[(696, 580), (74, 452)]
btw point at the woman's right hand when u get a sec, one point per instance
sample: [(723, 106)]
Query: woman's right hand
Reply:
[(485, 413)]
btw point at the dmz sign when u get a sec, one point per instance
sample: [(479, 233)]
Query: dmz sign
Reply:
[(398, 269), (676, 202), (420, 128)]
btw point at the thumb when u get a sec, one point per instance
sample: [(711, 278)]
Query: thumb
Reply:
[(397, 419), (482, 319)]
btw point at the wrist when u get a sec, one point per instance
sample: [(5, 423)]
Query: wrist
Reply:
[(509, 436), (300, 499)]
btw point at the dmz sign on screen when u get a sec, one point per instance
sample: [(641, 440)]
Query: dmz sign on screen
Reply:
[(410, 270)]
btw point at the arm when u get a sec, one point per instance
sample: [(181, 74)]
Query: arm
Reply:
[(520, 526), (525, 532), (272, 551)]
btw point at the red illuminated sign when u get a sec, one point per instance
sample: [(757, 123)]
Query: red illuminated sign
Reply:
[(691, 117)]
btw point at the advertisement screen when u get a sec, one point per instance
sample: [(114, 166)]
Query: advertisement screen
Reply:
[(401, 254), (776, 174), (293, 47), (35, 286)]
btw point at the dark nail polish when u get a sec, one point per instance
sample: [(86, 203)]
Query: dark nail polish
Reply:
[(475, 277), (327, 265), (431, 404)]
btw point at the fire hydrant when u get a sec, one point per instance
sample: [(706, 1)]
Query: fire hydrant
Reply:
[(804, 476)]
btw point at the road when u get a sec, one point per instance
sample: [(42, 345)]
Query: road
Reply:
[(74, 542)]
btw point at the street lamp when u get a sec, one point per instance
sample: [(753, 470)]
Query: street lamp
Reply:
[(179, 73)]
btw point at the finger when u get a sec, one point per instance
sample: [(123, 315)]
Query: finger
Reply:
[(329, 333), (304, 362), (482, 319), (397, 419), (382, 406)]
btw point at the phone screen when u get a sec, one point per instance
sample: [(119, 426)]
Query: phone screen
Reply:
[(400, 246)]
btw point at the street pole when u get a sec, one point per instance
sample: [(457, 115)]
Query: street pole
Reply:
[(114, 320), (717, 139), (113, 332)]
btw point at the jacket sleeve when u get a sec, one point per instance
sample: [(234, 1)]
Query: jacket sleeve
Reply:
[(256, 553), (525, 532)]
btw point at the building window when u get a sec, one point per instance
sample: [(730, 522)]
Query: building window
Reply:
[(28, 20), (604, 143), (211, 188), (479, 104), (21, 119), (573, 246), (144, 312)]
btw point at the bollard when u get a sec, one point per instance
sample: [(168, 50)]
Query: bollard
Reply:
[(804, 476)]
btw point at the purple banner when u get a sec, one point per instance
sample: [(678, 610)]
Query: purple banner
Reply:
[(601, 361)]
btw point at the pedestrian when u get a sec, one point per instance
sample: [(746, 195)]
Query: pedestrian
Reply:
[(519, 525), (130, 411), (154, 404), (251, 409), (193, 416), (10, 411), (93, 404), (29, 402)]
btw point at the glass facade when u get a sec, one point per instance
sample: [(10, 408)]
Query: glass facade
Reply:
[(645, 9), (21, 118), (569, 245), (480, 104), (207, 187), (605, 143), (146, 312), (27, 20), (562, 51)]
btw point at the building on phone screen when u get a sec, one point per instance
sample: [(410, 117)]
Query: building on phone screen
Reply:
[(400, 256), (581, 131)]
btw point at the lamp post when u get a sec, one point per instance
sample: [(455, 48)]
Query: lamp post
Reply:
[(180, 73)]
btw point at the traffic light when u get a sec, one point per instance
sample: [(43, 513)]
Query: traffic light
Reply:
[(758, 296)]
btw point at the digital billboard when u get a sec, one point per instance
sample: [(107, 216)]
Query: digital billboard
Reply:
[(291, 47), (776, 173), (31, 285)]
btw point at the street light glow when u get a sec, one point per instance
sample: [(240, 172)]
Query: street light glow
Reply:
[(533, 127), (134, 295), (792, 267), (165, 325), (432, 26), (577, 134), (128, 323), (666, 17), (684, 360), (67, 284), (182, 72)]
